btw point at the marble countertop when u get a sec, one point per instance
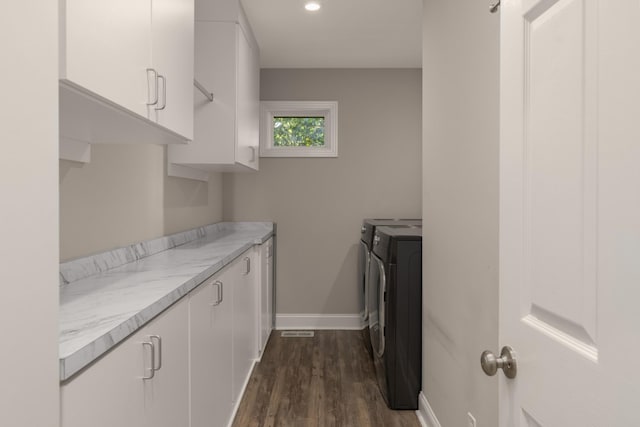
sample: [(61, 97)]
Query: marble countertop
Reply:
[(106, 297)]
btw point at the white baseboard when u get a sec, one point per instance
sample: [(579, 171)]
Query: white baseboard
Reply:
[(425, 413), (319, 321)]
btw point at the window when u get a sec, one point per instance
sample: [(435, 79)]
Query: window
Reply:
[(299, 129)]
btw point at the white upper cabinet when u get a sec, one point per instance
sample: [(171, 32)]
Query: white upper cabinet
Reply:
[(126, 72), (226, 135), (248, 108)]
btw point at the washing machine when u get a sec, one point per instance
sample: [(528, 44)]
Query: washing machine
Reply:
[(367, 232), (395, 313)]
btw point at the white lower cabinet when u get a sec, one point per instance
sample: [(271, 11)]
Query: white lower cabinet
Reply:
[(188, 366), (244, 321), (211, 341), (113, 391), (222, 338), (264, 300)]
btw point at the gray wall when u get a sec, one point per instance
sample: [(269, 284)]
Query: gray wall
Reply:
[(319, 204), (124, 196), (460, 208), (29, 214)]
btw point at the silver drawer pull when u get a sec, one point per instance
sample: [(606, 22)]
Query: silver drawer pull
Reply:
[(164, 92), (159, 339), (248, 261), (155, 78), (218, 285), (152, 372)]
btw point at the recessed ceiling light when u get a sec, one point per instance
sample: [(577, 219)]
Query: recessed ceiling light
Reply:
[(312, 6)]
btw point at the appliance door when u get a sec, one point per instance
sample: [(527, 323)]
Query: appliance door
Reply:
[(377, 289), (364, 258)]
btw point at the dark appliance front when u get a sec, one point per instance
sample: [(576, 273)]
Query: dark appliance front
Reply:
[(395, 316), (367, 232)]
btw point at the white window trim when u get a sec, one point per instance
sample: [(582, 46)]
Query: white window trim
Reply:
[(326, 109)]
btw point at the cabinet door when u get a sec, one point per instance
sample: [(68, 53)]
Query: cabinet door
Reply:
[(112, 391), (214, 122), (106, 49), (266, 293), (248, 109), (244, 321), (166, 396), (226, 131), (210, 341), (172, 56)]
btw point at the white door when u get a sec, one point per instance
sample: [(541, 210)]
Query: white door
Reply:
[(570, 212)]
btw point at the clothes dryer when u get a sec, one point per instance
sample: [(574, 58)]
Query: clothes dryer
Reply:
[(367, 232), (395, 314)]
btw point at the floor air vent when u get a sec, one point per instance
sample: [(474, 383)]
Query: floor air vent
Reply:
[(297, 334)]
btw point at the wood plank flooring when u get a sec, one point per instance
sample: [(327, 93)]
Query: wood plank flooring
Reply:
[(324, 381)]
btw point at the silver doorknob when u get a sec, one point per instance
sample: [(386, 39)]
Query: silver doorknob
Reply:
[(507, 362)]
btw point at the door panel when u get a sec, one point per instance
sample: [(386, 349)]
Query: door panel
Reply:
[(570, 211), (559, 188), (548, 245)]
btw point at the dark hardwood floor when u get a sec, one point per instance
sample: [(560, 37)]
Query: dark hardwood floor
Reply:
[(324, 381)]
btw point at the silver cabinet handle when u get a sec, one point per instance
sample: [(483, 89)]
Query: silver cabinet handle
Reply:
[(164, 92), (507, 362), (159, 340), (253, 153), (155, 77), (218, 284), (376, 240), (152, 371), (248, 261)]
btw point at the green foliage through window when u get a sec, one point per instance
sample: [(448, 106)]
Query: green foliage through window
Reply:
[(298, 131)]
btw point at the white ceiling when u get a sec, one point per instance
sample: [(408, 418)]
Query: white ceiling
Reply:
[(342, 34)]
